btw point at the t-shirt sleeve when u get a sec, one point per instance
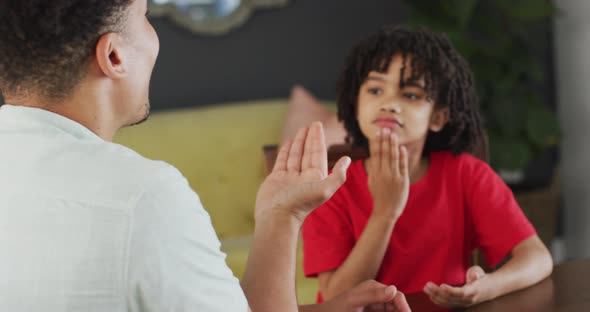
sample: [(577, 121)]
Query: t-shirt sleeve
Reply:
[(497, 221), (327, 236), (175, 262)]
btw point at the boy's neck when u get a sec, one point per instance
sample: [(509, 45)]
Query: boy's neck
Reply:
[(417, 162), (418, 167)]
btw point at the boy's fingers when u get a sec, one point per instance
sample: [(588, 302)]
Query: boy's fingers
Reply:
[(386, 150), (403, 163), (374, 146), (474, 273), (452, 292), (394, 159)]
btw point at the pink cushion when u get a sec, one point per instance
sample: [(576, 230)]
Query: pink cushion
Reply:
[(304, 109)]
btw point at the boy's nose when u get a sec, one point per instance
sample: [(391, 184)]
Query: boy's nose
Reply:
[(391, 106)]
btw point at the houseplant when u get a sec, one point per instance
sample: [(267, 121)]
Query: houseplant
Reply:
[(501, 40)]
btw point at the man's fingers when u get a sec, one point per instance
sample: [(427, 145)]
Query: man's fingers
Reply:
[(400, 303), (296, 151), (338, 176), (375, 307), (316, 149), (281, 161), (371, 292)]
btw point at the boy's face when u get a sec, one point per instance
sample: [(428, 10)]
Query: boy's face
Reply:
[(407, 111)]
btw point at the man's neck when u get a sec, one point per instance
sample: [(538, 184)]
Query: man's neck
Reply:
[(86, 113)]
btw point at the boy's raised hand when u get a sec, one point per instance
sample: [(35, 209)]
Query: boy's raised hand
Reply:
[(299, 181), (473, 292), (389, 178)]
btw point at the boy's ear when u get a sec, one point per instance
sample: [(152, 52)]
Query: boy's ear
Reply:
[(439, 119), (109, 56)]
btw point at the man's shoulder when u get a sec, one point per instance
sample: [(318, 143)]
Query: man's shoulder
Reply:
[(131, 162), (124, 168)]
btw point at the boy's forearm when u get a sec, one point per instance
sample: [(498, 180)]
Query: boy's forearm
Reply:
[(530, 263), (269, 280), (364, 260)]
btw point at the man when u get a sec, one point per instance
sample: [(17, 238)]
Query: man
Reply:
[(88, 225)]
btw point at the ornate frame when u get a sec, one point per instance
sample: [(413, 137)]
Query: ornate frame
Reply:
[(214, 27)]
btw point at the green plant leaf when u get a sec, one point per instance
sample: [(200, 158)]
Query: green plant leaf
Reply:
[(508, 115), (508, 153), (461, 10), (542, 126), (499, 39), (527, 9)]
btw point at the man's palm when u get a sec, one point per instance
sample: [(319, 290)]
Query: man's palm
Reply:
[(299, 181)]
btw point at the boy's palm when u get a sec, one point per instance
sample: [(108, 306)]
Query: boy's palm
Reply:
[(388, 172), (459, 297)]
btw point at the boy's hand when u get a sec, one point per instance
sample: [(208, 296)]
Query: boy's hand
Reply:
[(389, 178), (299, 181), (368, 296), (472, 293)]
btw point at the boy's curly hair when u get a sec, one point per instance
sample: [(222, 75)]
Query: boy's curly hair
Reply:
[(45, 45), (448, 79)]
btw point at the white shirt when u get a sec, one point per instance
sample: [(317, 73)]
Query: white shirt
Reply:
[(88, 225)]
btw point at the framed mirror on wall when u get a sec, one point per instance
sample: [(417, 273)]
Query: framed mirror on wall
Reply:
[(210, 17)]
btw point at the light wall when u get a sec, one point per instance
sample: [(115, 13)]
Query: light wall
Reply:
[(572, 61)]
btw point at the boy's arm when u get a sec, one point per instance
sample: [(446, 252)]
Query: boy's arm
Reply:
[(363, 262), (529, 264), (389, 186)]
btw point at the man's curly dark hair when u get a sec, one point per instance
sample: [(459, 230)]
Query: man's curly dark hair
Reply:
[(448, 79), (45, 46)]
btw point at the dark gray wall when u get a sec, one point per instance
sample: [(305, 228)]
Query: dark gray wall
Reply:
[(305, 42)]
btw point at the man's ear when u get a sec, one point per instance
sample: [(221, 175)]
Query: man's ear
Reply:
[(439, 119), (109, 56)]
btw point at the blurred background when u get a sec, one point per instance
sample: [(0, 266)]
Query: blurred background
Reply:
[(222, 88)]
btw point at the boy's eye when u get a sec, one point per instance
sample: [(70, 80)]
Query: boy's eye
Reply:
[(375, 91), (411, 96)]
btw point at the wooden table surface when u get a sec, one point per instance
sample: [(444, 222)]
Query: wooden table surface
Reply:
[(566, 290)]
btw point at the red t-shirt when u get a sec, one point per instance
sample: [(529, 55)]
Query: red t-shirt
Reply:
[(459, 205)]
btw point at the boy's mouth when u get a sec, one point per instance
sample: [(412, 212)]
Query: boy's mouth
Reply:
[(388, 122)]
